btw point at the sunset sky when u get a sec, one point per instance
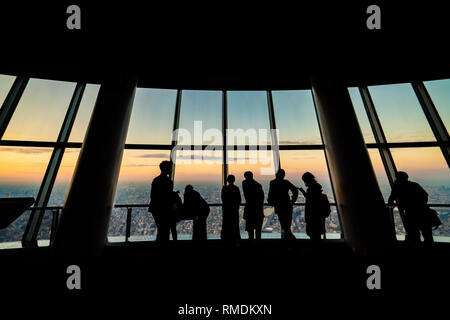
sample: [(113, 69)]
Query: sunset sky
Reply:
[(42, 108)]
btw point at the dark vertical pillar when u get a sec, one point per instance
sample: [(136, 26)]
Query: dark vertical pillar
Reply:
[(85, 216), (365, 219)]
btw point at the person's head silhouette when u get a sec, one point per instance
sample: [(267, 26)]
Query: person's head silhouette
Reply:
[(401, 176), (280, 174), (231, 179), (189, 188), (166, 167), (308, 177), (248, 175)]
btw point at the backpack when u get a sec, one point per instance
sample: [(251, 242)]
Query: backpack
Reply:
[(324, 208)]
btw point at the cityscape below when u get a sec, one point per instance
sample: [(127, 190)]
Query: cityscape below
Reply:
[(143, 227)]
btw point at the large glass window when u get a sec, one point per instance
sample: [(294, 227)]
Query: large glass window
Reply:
[(5, 85), (400, 113), (439, 91), (200, 118), (295, 117), (248, 118), (152, 116), (40, 111)]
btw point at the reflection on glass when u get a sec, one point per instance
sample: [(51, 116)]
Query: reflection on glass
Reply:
[(295, 117), (200, 118), (62, 181), (400, 113), (380, 173), (361, 114), (248, 117), (5, 85), (152, 116), (439, 91), (41, 111), (84, 113)]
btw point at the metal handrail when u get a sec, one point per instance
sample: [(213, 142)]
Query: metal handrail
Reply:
[(56, 212)]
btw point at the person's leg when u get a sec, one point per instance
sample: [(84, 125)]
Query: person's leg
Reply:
[(258, 229), (427, 234)]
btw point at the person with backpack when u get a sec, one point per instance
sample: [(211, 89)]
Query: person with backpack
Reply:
[(412, 200), (197, 208), (317, 207)]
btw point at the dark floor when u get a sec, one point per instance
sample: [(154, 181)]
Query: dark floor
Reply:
[(287, 276)]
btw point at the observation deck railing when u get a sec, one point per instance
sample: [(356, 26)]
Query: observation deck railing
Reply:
[(56, 210)]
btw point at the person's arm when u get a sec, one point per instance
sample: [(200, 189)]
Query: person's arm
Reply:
[(303, 192), (392, 196)]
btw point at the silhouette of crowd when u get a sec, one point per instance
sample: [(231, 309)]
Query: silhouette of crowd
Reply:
[(167, 207)]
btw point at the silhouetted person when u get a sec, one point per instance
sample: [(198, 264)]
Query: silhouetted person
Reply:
[(314, 218), (282, 202), (254, 210), (163, 202), (196, 207), (412, 200), (231, 200)]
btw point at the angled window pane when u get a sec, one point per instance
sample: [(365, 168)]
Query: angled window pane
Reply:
[(295, 117), (361, 114), (21, 173), (63, 177), (439, 91), (152, 116), (427, 167), (84, 113), (5, 85), (40, 111), (200, 118), (248, 118), (400, 113), (380, 172)]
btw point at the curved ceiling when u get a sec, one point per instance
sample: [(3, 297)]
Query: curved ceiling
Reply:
[(231, 47)]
